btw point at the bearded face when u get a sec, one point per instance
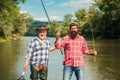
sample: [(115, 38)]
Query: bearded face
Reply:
[(73, 32)]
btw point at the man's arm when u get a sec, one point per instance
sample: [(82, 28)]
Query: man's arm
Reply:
[(57, 41), (25, 65), (28, 55), (52, 48), (86, 50)]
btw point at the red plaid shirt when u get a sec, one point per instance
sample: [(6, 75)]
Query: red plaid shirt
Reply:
[(73, 50)]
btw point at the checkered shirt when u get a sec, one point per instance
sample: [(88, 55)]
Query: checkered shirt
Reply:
[(36, 53), (73, 50)]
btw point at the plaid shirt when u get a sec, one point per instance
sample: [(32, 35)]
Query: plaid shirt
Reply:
[(73, 50), (36, 53)]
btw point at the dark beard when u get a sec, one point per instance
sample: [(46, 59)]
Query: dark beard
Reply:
[(73, 34)]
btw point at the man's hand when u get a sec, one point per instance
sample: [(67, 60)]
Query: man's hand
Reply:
[(93, 52), (57, 35)]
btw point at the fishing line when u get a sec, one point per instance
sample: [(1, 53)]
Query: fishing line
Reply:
[(48, 18)]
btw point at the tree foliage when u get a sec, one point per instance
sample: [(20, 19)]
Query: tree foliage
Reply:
[(110, 21), (11, 20), (102, 17), (53, 28)]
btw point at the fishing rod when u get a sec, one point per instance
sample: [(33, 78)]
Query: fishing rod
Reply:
[(93, 39), (46, 12), (48, 18)]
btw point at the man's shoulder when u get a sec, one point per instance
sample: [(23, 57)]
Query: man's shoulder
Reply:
[(33, 39), (47, 39), (80, 37), (67, 36)]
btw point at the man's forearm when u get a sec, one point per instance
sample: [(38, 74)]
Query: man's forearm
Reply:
[(25, 65), (52, 48)]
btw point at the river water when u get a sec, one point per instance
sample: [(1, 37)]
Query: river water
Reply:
[(106, 66)]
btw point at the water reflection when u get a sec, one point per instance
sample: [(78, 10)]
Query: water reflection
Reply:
[(8, 59), (106, 67)]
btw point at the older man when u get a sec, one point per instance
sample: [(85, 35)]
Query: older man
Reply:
[(37, 54)]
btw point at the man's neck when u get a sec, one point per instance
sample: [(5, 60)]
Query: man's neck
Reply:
[(41, 38)]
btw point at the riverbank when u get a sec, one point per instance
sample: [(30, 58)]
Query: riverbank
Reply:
[(11, 37)]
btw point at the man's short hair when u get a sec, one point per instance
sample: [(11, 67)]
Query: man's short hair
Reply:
[(74, 24)]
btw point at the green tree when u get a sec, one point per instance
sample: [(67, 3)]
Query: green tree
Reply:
[(80, 19), (53, 28), (11, 20), (7, 11), (110, 21), (21, 22), (67, 20), (93, 20)]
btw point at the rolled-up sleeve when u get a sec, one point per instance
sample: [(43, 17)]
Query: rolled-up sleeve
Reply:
[(60, 43), (85, 49)]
